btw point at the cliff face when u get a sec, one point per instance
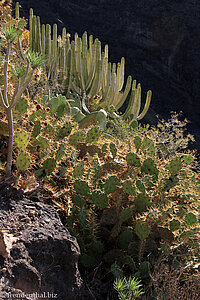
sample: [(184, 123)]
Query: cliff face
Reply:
[(160, 41)]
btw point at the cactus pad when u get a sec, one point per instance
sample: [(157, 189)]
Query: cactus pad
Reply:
[(125, 238), (133, 160), (137, 142), (21, 139), (149, 167), (96, 248), (170, 182), (113, 150), (140, 186), (78, 200), (81, 187), (93, 134), (126, 214), (88, 261), (49, 165), (60, 153), (36, 129), (111, 184), (175, 166), (23, 161), (187, 159), (22, 106), (49, 129), (42, 142), (77, 137), (79, 170), (174, 225), (129, 187), (65, 130), (104, 148), (142, 230), (100, 199), (142, 202), (191, 219)]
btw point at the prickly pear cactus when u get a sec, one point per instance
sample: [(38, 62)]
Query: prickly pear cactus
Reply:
[(22, 106), (81, 187), (170, 182), (137, 142), (49, 129), (125, 238), (36, 129), (104, 148), (140, 186), (77, 137), (191, 219), (133, 160), (111, 184), (60, 153), (147, 180), (96, 171), (100, 199), (93, 134), (175, 166), (23, 161), (142, 230), (126, 214), (79, 170), (129, 187), (175, 225), (149, 167), (21, 139), (78, 200), (65, 130), (42, 142), (142, 202), (187, 159), (49, 165), (113, 149), (148, 146)]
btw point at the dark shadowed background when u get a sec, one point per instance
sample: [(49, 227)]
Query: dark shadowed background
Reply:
[(160, 40)]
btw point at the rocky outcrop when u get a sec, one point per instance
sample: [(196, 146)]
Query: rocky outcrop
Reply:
[(38, 256)]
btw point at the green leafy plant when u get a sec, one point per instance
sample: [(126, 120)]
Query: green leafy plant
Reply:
[(128, 289)]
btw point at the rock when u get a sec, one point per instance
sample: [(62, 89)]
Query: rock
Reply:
[(37, 253)]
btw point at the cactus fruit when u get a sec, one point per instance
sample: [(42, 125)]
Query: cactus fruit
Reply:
[(129, 187), (23, 161), (174, 225), (77, 137), (81, 187), (137, 142), (133, 160), (42, 142), (99, 199), (140, 186), (174, 166), (36, 129), (149, 167), (170, 182), (142, 230), (65, 130), (111, 184), (79, 170), (60, 153), (125, 238), (191, 219), (113, 150), (78, 200), (22, 106), (49, 165), (93, 134), (126, 214), (21, 139), (142, 202)]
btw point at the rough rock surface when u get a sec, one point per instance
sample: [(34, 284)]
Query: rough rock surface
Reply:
[(160, 41), (37, 253)]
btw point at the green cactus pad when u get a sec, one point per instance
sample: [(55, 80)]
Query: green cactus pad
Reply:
[(147, 181), (49, 165), (149, 167), (113, 149), (79, 170), (42, 142), (126, 214), (174, 166), (137, 142), (129, 187), (125, 238), (133, 160), (142, 202), (99, 199), (49, 129), (187, 159), (81, 187), (140, 186), (147, 144), (191, 219), (134, 124), (163, 148), (23, 161), (21, 139), (63, 109), (142, 230), (93, 134), (78, 200), (104, 148), (96, 248), (36, 129), (174, 225), (88, 261), (116, 270), (22, 106), (170, 182), (65, 130), (96, 171), (60, 153), (111, 184), (77, 137)]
